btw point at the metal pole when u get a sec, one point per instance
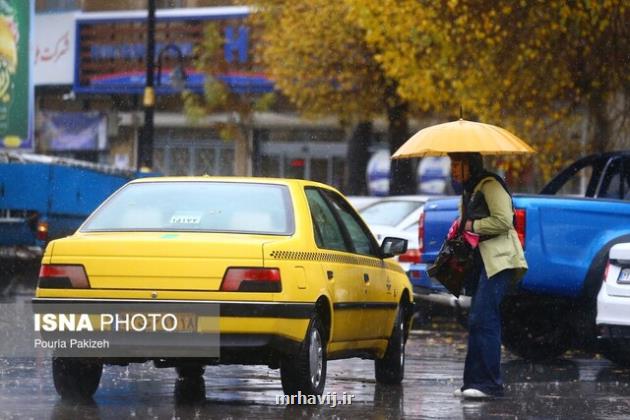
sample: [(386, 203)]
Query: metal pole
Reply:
[(145, 152)]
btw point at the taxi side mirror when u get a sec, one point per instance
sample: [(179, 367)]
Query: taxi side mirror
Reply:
[(393, 246)]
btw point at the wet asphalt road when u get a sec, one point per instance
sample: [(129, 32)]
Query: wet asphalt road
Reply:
[(581, 386)]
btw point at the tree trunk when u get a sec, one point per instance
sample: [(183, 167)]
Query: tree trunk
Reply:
[(401, 176), (357, 159), (600, 121), (242, 153)]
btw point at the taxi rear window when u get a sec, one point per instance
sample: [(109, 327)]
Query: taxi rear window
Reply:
[(196, 206)]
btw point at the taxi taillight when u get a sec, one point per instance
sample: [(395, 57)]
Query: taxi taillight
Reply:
[(56, 276), (251, 279)]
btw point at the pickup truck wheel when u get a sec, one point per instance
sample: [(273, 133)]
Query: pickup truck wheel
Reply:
[(615, 354), (76, 379), (534, 332), (391, 368), (305, 372)]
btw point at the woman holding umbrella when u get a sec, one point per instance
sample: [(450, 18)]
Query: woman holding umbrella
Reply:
[(499, 260), (486, 214)]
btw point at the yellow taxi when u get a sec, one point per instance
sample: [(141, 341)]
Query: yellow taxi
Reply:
[(297, 275)]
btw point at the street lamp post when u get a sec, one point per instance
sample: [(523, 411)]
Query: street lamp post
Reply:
[(145, 145)]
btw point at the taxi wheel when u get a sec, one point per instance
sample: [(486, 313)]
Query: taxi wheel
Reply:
[(305, 372), (189, 371), (391, 368), (76, 378)]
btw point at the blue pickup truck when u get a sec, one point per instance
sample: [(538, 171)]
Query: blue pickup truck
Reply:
[(567, 231), (43, 198)]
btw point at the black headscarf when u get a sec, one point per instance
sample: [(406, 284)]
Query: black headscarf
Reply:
[(475, 165), (477, 173)]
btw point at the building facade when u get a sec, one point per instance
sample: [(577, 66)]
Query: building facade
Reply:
[(90, 71)]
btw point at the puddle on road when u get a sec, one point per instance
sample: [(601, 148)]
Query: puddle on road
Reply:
[(591, 388)]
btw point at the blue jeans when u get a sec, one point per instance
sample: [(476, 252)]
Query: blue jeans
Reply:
[(482, 370)]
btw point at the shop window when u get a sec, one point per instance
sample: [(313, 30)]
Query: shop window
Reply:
[(271, 167), (205, 162), (226, 162), (319, 170), (180, 161), (158, 161)]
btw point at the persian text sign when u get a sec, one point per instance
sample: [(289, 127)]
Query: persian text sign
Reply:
[(54, 49), (15, 90)]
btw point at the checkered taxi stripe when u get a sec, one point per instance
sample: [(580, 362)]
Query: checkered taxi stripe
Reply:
[(334, 258)]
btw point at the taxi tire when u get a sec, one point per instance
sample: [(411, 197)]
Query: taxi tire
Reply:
[(189, 371), (390, 370), (190, 389), (295, 370), (76, 379)]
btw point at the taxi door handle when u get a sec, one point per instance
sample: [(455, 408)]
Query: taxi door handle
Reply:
[(330, 274), (366, 278)]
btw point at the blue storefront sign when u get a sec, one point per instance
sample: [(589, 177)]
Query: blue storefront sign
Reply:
[(111, 51)]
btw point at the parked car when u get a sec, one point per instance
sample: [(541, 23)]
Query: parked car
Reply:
[(567, 232), (397, 216), (302, 276), (613, 306), (410, 234), (398, 211), (361, 201)]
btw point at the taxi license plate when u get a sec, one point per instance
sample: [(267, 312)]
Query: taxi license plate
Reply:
[(624, 276), (185, 323)]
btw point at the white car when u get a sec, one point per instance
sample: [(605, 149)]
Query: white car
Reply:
[(397, 216), (398, 211), (613, 306), (410, 234), (361, 201)]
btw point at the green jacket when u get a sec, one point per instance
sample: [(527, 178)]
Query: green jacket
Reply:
[(503, 251)]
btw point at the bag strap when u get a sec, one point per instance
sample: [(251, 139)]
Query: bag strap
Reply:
[(507, 190), (462, 222), (503, 184)]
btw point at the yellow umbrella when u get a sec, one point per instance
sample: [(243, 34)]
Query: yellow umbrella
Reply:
[(462, 136)]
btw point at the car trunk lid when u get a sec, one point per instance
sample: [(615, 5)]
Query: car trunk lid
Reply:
[(160, 261)]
